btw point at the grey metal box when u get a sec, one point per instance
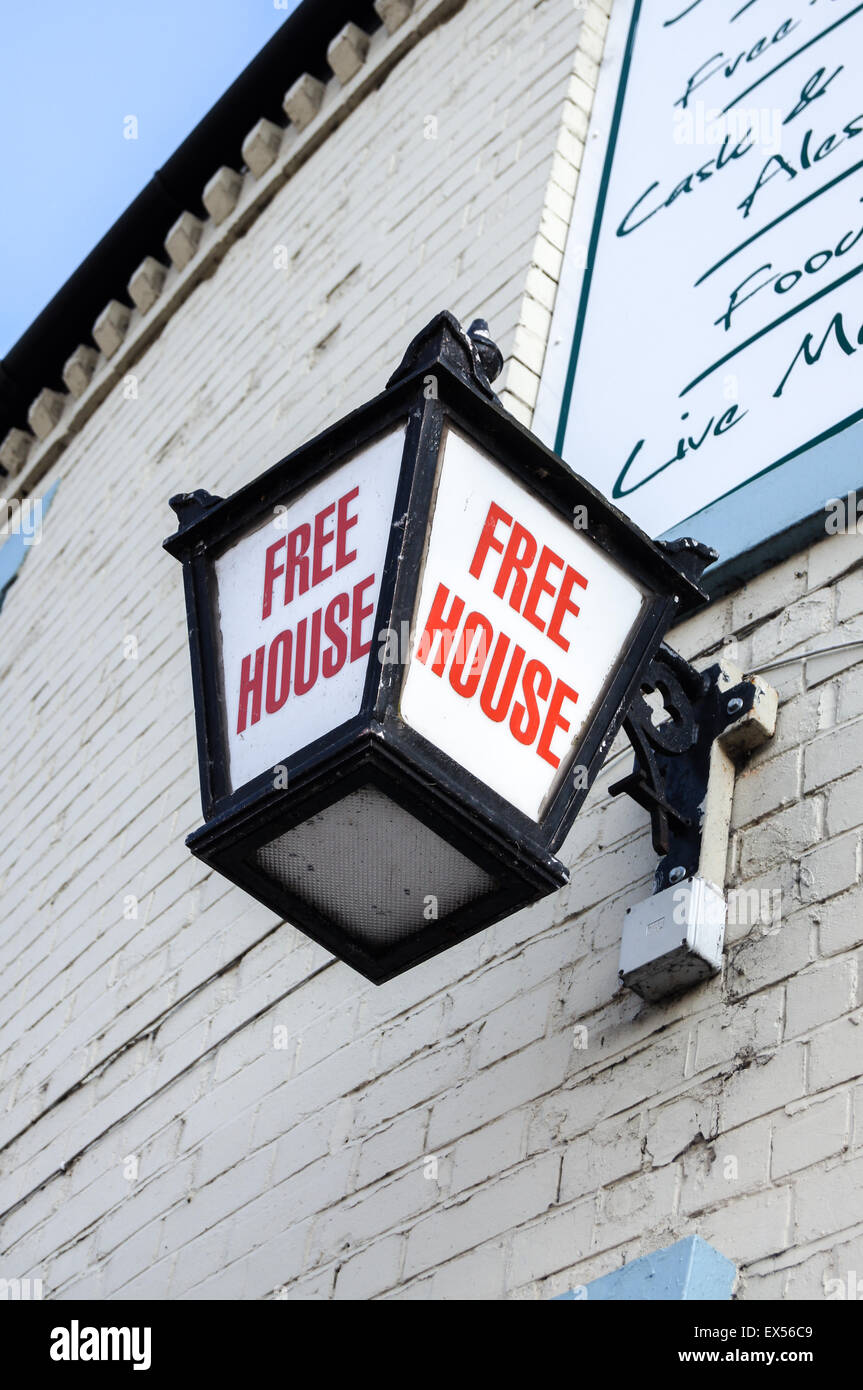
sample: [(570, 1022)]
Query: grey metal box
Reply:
[(673, 940)]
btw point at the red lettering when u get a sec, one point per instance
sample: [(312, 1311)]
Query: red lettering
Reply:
[(251, 683), (540, 586), (554, 721), (283, 644), (271, 573), (518, 557), (488, 540), (521, 585), (493, 666), (475, 626), (498, 712), (322, 539), (335, 656), (565, 605), (438, 625), (343, 525), (299, 541), (304, 681), (525, 721), (358, 616)]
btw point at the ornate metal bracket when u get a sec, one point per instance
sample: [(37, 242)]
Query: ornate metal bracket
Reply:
[(672, 758)]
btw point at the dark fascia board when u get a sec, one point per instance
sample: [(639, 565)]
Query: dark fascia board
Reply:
[(299, 46)]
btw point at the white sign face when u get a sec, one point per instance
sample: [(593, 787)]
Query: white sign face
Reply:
[(296, 609), (714, 285), (520, 622)]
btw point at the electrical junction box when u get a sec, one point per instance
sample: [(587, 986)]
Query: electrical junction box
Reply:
[(673, 940)]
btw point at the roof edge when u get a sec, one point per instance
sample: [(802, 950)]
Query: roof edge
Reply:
[(299, 46)]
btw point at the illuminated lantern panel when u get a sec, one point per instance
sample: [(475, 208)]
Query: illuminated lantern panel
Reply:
[(413, 641)]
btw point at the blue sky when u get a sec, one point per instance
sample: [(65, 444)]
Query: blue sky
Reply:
[(72, 71)]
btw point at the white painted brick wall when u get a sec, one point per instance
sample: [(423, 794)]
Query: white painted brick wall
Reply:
[(501, 1122)]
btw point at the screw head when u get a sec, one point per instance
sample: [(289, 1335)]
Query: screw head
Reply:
[(677, 874), (735, 706)]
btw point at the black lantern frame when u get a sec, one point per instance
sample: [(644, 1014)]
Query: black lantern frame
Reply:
[(375, 748)]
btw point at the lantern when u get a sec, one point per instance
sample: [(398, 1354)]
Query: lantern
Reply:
[(413, 641)]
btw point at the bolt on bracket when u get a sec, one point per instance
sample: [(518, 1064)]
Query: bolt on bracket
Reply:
[(685, 766), (684, 777)]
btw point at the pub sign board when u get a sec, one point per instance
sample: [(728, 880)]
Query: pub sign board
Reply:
[(706, 356), (413, 641)]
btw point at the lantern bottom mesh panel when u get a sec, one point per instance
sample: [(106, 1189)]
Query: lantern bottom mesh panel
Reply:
[(373, 868)]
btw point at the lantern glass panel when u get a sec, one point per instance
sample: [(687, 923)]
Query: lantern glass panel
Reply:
[(373, 869), (521, 622), (295, 606)]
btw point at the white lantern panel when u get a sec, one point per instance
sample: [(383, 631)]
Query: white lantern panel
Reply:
[(521, 622), (296, 601)]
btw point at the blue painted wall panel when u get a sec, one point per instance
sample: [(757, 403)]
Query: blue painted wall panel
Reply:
[(689, 1269)]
